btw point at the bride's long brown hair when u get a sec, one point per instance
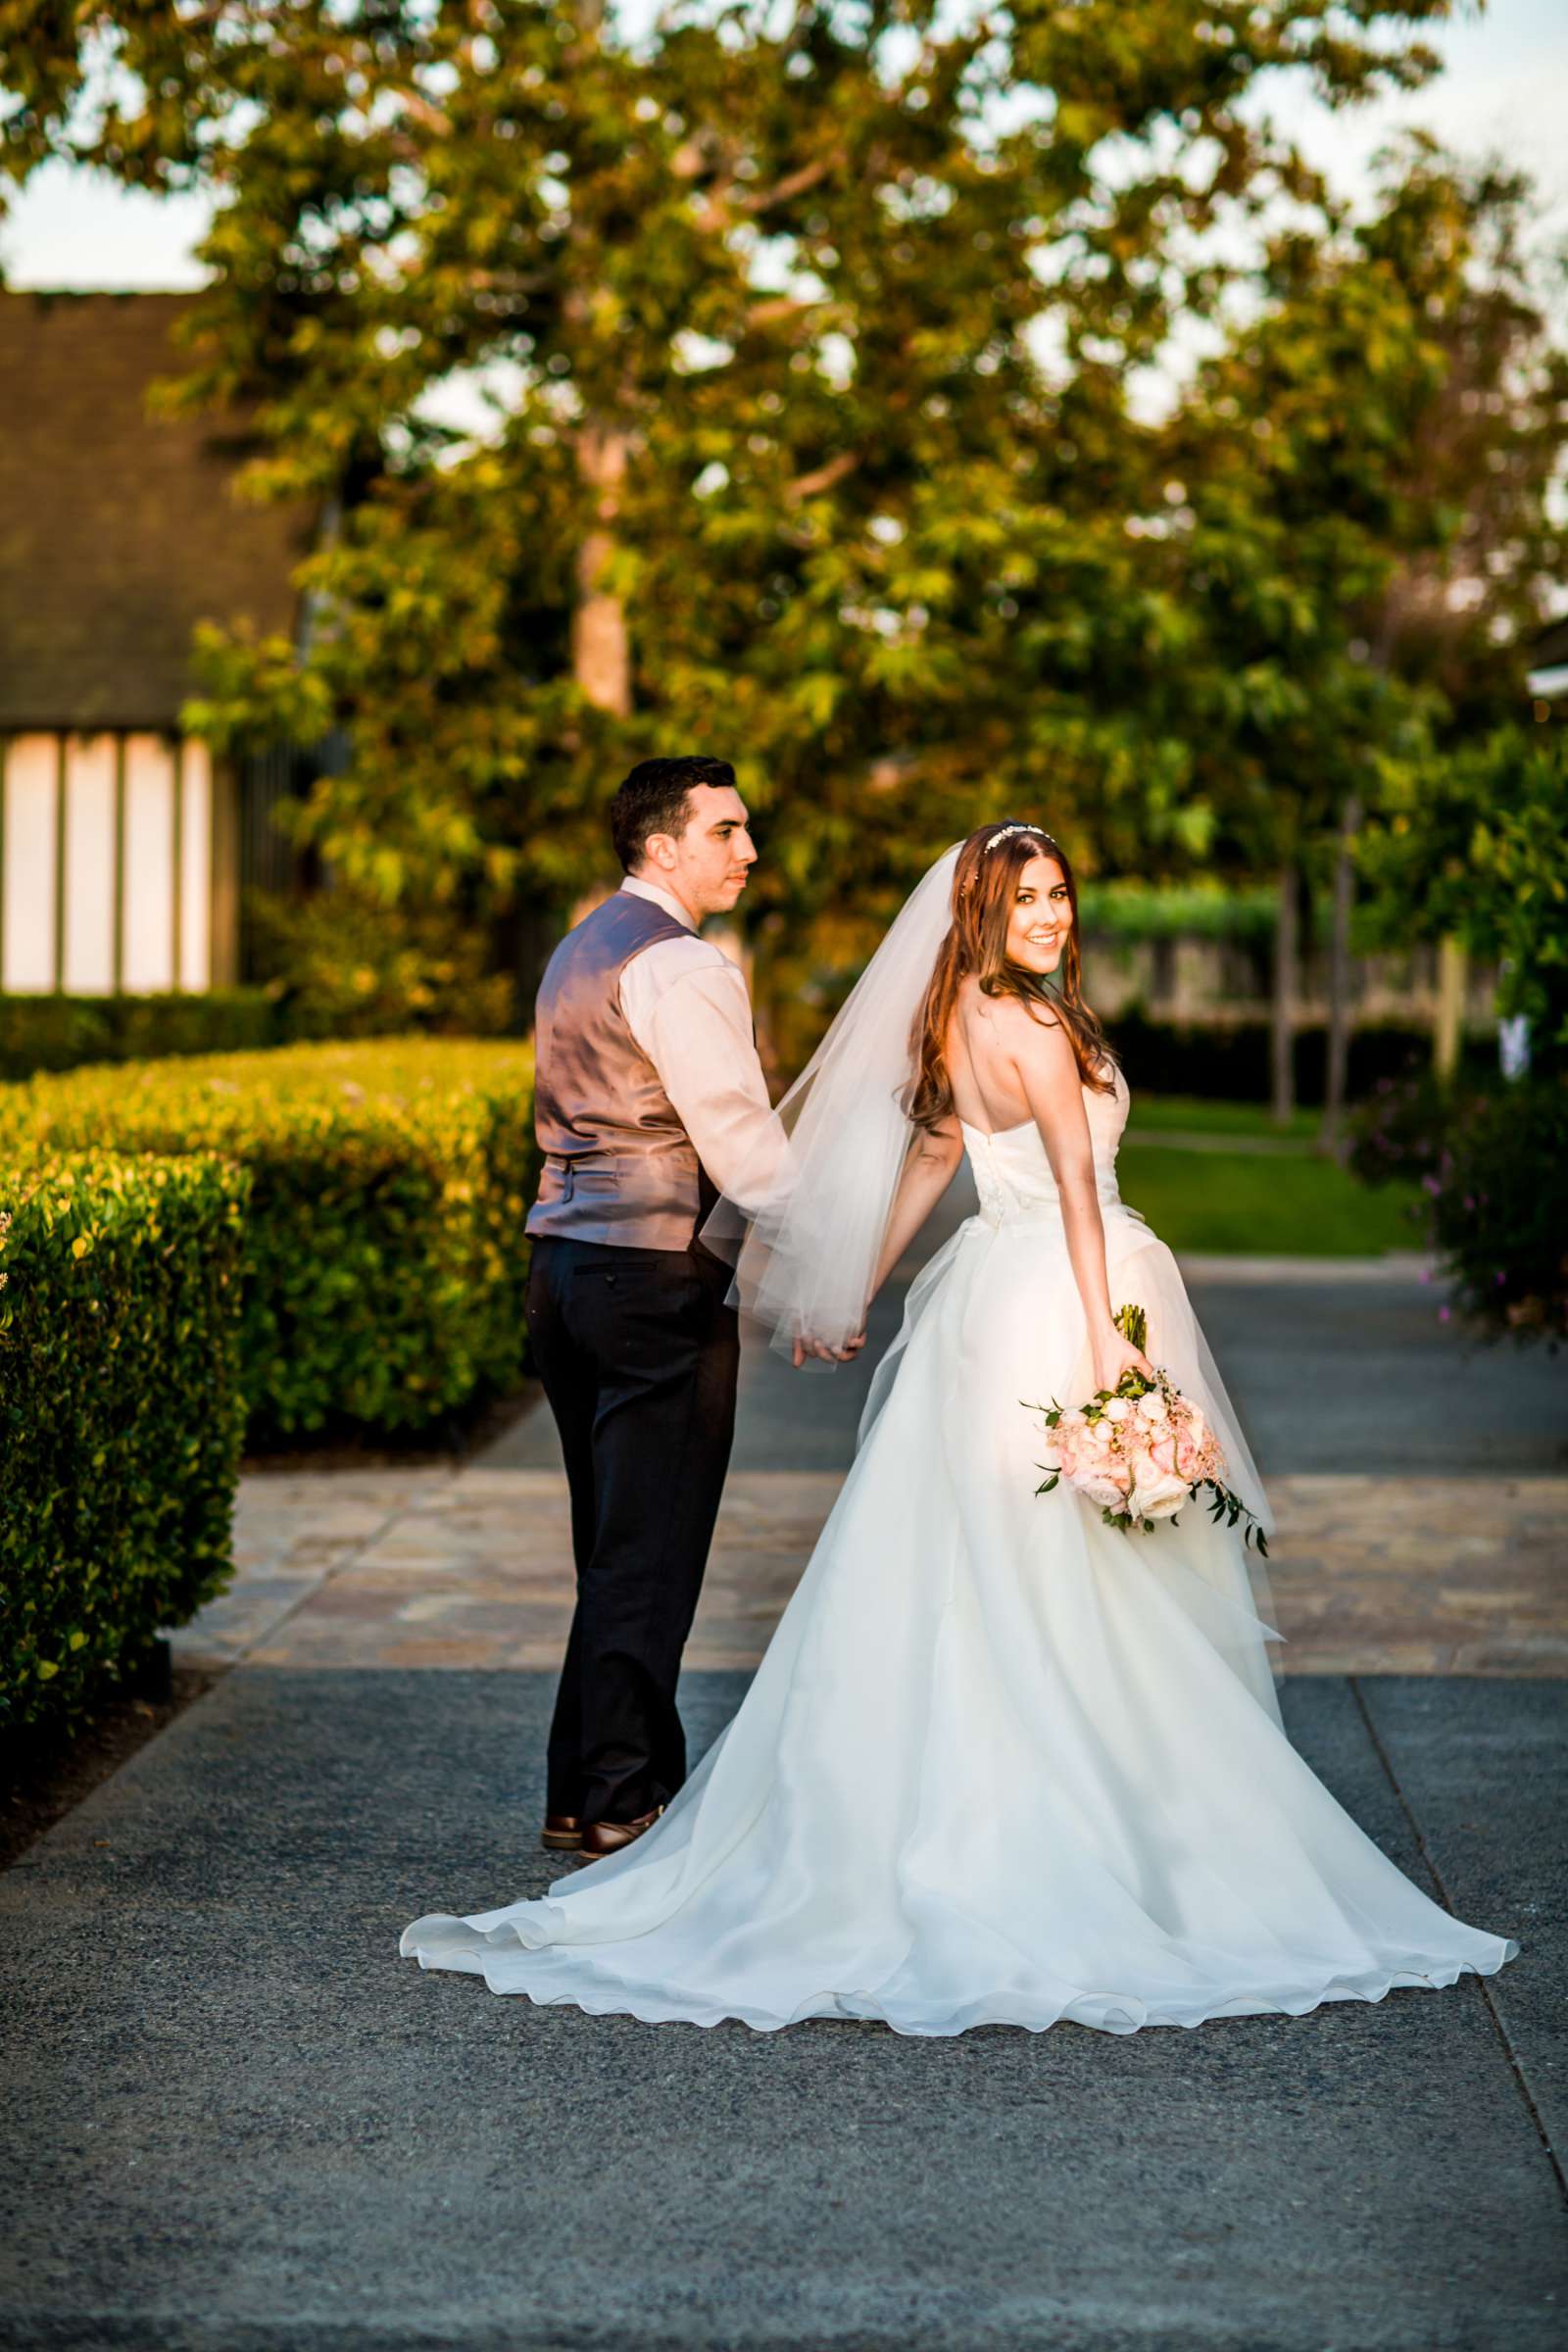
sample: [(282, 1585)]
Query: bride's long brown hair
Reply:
[(983, 890)]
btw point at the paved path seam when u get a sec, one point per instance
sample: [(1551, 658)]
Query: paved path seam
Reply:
[(1484, 1985), (206, 1639)]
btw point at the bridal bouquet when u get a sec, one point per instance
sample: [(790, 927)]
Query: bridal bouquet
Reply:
[(1142, 1449)]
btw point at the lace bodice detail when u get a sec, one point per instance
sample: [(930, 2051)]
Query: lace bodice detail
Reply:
[(1013, 1169)]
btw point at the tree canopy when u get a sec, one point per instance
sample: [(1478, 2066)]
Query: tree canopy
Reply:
[(816, 344)]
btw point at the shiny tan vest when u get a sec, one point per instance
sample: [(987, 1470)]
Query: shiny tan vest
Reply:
[(619, 1167)]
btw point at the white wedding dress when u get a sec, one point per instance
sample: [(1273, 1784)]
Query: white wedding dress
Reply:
[(1002, 1763)]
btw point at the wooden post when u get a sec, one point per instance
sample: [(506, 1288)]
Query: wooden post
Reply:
[(62, 776), (601, 650), (1339, 1037), (223, 934), (1282, 1038), (176, 860), (1447, 1028), (118, 918)]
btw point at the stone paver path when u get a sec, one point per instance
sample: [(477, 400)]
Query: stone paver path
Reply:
[(402, 1569)]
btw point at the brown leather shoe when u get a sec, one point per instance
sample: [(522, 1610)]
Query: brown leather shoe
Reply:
[(601, 1838), (562, 1834)]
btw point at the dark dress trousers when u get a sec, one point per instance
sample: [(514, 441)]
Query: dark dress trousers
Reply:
[(639, 1355)]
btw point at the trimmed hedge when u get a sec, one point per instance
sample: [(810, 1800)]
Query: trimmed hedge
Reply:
[(384, 1258), (120, 1413), (60, 1032), (1229, 1061)]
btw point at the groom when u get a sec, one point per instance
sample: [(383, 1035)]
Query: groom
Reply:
[(650, 1101)]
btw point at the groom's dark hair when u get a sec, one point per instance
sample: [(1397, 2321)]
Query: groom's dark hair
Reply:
[(654, 800)]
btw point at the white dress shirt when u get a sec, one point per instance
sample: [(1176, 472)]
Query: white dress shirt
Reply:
[(687, 1006)]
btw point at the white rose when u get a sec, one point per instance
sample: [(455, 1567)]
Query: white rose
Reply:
[(1115, 1408), (1153, 1407), (1104, 1492), (1156, 1494)]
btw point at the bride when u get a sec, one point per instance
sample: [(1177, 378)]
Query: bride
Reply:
[(1002, 1763)]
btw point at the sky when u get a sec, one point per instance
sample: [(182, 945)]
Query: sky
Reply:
[(1503, 91)]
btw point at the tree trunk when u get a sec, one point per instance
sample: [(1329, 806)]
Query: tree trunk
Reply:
[(1282, 1012), (1447, 1030), (1339, 1039), (601, 649)]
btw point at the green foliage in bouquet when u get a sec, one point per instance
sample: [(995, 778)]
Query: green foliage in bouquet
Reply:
[(119, 1412), (384, 1253), (1132, 1321)]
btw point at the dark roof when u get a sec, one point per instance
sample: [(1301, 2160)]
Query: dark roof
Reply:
[(1552, 646), (119, 531)]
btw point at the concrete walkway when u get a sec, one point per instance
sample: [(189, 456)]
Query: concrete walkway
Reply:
[(234, 2121)]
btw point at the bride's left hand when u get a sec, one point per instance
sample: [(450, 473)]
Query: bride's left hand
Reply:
[(825, 1355)]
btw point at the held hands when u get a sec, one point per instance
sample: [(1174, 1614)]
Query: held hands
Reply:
[(825, 1355)]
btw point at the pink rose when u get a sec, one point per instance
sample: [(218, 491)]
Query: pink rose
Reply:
[(1106, 1479), (1159, 1491)]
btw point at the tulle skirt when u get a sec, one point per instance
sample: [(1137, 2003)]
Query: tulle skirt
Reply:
[(1001, 1764)]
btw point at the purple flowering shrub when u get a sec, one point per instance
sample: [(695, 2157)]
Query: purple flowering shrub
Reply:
[(1497, 1210), (1398, 1134)]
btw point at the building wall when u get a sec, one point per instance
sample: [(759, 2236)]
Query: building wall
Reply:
[(116, 864), (1195, 979)]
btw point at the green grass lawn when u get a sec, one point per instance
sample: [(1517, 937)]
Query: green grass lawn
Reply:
[(1278, 1205), (1194, 1115)]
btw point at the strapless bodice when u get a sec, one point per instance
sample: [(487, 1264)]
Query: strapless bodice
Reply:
[(1012, 1168)]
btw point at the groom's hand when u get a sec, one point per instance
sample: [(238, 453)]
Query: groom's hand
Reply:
[(825, 1354)]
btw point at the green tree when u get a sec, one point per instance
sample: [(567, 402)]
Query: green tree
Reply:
[(811, 337), (1477, 850), (1363, 476)]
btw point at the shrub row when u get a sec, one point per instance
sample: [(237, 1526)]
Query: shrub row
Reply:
[(341, 981), (1230, 1062), (382, 1249), (1492, 1166), (60, 1032), (1128, 913), (1499, 1208), (119, 1412)]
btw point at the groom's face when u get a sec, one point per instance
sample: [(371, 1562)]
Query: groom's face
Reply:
[(706, 864)]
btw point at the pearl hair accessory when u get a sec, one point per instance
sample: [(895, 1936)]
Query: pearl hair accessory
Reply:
[(1007, 831)]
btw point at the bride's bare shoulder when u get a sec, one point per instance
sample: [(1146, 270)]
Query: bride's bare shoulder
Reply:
[(1002, 1016), (1027, 1029)]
